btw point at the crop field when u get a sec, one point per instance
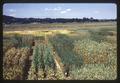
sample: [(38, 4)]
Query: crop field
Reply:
[(60, 51)]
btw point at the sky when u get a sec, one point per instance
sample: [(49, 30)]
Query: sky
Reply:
[(61, 10)]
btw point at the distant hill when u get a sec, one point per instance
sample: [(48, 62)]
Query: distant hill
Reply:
[(12, 20)]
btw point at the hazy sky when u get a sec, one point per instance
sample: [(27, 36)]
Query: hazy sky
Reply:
[(61, 10)]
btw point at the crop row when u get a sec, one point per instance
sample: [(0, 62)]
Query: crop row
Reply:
[(63, 45), (43, 65)]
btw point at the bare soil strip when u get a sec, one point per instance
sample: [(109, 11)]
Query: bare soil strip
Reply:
[(56, 58), (58, 62)]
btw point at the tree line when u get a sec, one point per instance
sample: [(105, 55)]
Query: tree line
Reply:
[(11, 20)]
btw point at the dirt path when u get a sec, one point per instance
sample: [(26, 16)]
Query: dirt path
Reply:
[(57, 59), (58, 62)]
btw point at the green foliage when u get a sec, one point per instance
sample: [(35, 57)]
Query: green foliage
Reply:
[(43, 55), (48, 55), (37, 56), (98, 36), (43, 61), (64, 47), (23, 40)]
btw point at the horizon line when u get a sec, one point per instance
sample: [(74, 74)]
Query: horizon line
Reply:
[(60, 18)]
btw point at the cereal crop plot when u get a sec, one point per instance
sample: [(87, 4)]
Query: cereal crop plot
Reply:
[(66, 51), (63, 46), (14, 62), (43, 64)]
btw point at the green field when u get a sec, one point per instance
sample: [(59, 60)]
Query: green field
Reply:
[(60, 51)]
